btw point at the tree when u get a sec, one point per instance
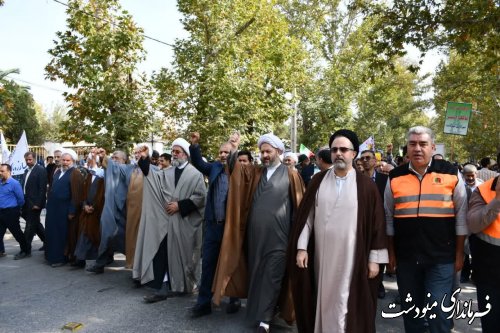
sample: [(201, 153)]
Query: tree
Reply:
[(464, 79), (463, 25), (234, 72), (17, 109), (52, 122), (97, 58)]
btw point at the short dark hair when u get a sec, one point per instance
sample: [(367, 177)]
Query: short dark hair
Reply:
[(368, 151), (155, 154), (52, 157), (325, 156), (485, 161), (405, 150), (246, 152), (8, 166), (167, 156), (30, 153)]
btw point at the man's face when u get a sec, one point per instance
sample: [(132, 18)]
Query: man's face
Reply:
[(342, 153), (66, 161), (137, 154), (57, 158), (50, 160), (269, 155), (289, 161), (179, 157), (359, 165), (4, 173), (30, 161), (244, 160), (163, 162), (224, 151), (154, 160), (369, 161), (420, 149), (470, 178)]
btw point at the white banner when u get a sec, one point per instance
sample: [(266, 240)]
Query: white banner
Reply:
[(5, 149), (17, 161), (369, 144)]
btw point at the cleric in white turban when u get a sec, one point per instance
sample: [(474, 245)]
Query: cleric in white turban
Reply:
[(70, 152), (272, 140), (183, 144)]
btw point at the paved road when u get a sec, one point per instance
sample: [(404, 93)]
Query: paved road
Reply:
[(36, 298)]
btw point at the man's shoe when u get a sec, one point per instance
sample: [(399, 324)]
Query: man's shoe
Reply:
[(95, 269), (42, 248), (154, 298), (171, 293), (200, 310), (233, 307), (22, 255), (57, 264), (2, 254)]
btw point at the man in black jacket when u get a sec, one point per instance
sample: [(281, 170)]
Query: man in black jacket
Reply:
[(34, 184)]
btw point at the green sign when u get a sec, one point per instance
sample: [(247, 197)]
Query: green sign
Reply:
[(457, 118)]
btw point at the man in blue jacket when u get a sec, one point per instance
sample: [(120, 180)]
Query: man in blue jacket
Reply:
[(215, 212)]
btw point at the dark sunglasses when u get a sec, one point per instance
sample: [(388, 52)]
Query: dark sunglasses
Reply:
[(365, 158), (343, 150)]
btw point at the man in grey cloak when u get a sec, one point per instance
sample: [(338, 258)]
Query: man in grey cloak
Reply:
[(168, 245)]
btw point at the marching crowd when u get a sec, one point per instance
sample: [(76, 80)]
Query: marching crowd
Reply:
[(306, 240)]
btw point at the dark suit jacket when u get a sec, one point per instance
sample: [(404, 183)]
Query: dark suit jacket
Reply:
[(36, 187), (381, 181), (51, 169)]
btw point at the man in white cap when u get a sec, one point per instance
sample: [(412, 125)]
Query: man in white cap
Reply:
[(290, 159), (63, 206), (168, 247), (259, 213)]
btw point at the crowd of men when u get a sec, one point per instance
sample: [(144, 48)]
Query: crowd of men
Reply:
[(306, 240)]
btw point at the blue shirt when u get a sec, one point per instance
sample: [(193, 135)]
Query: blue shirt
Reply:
[(11, 194)]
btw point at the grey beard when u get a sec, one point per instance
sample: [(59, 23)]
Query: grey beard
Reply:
[(64, 169), (340, 165), (178, 162)]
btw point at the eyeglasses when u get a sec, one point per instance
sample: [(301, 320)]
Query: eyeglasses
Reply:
[(343, 150), (365, 158)]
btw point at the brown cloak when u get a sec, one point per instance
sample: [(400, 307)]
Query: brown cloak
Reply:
[(90, 223), (73, 226), (370, 235), (134, 208), (231, 275)]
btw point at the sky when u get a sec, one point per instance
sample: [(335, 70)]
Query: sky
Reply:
[(28, 28)]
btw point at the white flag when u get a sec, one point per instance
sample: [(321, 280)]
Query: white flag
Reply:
[(5, 149), (17, 161), (369, 144)]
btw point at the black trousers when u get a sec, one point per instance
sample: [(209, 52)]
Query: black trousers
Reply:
[(160, 265), (9, 219), (33, 225)]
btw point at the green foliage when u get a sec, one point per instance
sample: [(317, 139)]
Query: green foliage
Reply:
[(97, 58), (464, 79), (234, 72), (52, 123), (17, 112), (464, 25)]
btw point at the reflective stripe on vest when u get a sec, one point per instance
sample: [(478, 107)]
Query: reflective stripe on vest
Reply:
[(492, 233), (431, 197)]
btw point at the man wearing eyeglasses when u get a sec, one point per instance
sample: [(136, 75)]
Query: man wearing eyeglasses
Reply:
[(338, 239), (426, 207)]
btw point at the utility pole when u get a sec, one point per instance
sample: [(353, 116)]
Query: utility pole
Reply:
[(293, 123)]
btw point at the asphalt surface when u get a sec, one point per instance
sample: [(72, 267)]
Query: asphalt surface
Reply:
[(35, 297)]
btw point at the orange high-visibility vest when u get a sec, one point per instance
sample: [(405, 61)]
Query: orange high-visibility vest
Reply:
[(430, 197), (488, 194)]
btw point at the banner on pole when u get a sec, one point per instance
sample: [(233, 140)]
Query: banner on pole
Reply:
[(5, 149), (304, 150), (457, 118), (369, 144), (17, 161)]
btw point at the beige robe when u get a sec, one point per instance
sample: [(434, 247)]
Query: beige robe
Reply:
[(134, 208), (335, 241)]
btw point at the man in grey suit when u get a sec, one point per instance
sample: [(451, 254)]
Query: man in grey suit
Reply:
[(34, 184)]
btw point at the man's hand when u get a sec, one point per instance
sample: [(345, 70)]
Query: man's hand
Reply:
[(172, 208), (391, 266), (35, 207), (302, 258), (459, 262), (234, 140), (88, 209), (143, 151), (373, 269), (71, 216), (194, 138), (101, 152)]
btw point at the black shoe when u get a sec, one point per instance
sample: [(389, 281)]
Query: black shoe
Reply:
[(95, 269), (200, 310), (136, 284), (42, 248), (171, 293), (57, 264), (233, 307), (3, 254), (78, 264), (110, 261), (22, 255), (381, 292), (154, 298)]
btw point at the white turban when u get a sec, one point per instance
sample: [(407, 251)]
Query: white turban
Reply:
[(272, 140), (183, 144), (292, 155), (71, 153)]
